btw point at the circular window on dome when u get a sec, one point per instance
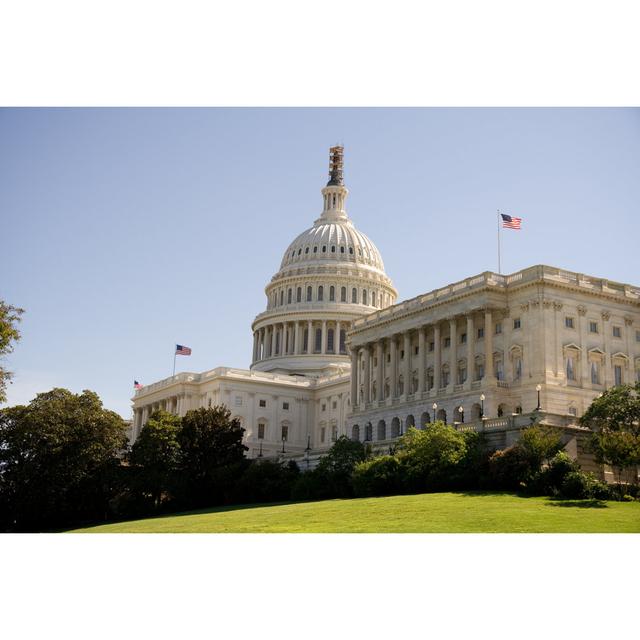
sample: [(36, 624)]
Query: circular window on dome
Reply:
[(306, 250), (333, 249), (351, 250), (315, 249), (324, 248), (341, 249), (299, 251)]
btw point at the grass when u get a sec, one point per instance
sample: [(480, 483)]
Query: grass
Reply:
[(473, 512)]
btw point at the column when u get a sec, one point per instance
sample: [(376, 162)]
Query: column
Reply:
[(367, 374), (453, 352), (393, 378), (488, 347), (607, 360), (336, 338), (296, 342), (272, 351), (309, 336), (471, 350), (324, 337), (263, 343), (421, 359), (407, 364), (437, 357), (379, 374), (255, 346), (584, 354), (354, 378)]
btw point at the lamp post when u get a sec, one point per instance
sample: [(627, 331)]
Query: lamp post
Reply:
[(461, 412), (260, 454), (482, 406), (308, 449), (434, 406), (283, 440), (538, 388)]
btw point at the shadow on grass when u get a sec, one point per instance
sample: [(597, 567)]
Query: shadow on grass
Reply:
[(581, 504)]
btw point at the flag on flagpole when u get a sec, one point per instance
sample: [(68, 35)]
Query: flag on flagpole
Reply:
[(509, 222), (181, 350), (137, 385)]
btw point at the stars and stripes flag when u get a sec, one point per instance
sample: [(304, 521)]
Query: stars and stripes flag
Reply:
[(510, 222), (181, 350), (137, 385)]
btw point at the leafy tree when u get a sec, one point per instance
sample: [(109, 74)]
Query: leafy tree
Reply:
[(266, 481), (614, 418), (380, 476), (211, 455), (430, 455), (9, 318), (59, 460), (539, 444), (510, 468), (156, 455), (338, 464)]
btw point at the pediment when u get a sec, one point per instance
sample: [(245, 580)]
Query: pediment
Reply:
[(620, 355), (571, 346), (596, 351)]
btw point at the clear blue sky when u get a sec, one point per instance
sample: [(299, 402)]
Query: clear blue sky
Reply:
[(127, 230)]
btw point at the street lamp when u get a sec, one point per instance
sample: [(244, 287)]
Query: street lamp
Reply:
[(434, 406), (538, 388), (482, 406), (260, 454), (308, 449), (461, 412), (283, 440)]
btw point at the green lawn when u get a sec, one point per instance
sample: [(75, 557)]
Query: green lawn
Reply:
[(427, 513)]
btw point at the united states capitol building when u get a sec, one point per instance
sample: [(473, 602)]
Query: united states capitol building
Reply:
[(335, 354)]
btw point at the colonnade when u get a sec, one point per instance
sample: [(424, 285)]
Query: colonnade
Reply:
[(385, 368), (300, 337), (172, 404)]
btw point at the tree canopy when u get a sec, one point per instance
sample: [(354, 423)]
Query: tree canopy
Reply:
[(9, 319)]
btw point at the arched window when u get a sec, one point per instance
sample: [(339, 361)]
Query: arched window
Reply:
[(320, 293), (306, 250), (315, 249), (285, 432), (442, 415), (364, 297), (373, 298), (289, 294), (410, 421), (333, 248), (330, 334), (332, 294), (341, 249), (305, 341), (309, 294), (343, 336), (343, 294), (318, 344), (281, 298), (395, 428), (299, 294), (354, 295), (355, 432), (425, 419), (277, 343), (324, 248), (351, 250), (299, 251), (368, 432), (382, 430)]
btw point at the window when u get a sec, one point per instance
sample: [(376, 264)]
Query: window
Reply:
[(305, 341), (571, 369), (306, 250), (388, 357), (318, 345), (332, 294), (462, 375), (309, 294), (595, 373), (498, 327), (334, 404), (573, 411), (415, 351), (637, 336), (299, 294), (333, 248), (324, 248), (320, 293), (262, 403), (354, 295), (617, 375), (324, 407), (289, 294), (334, 433), (209, 402), (447, 342), (281, 298), (343, 337), (463, 338), (445, 378), (479, 371), (593, 327), (568, 322), (431, 345), (285, 432), (341, 249), (285, 406), (315, 249), (323, 433), (480, 333), (351, 250), (238, 400), (299, 251), (364, 297), (330, 341), (261, 430), (373, 298), (499, 370), (617, 332), (517, 373), (343, 294), (516, 323)]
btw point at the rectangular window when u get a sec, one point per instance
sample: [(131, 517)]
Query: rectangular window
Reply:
[(516, 323), (402, 354), (617, 375), (323, 433), (617, 332), (262, 403), (445, 378), (415, 351), (479, 371), (431, 346), (447, 342), (335, 404), (388, 357), (595, 373), (462, 375), (324, 407), (261, 431), (498, 327), (568, 322), (593, 327), (517, 373), (571, 371), (463, 338), (334, 433), (573, 411), (285, 406), (238, 400), (285, 432), (499, 370), (480, 333)]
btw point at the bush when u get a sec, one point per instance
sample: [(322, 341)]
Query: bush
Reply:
[(266, 481), (578, 485), (381, 476), (312, 485), (549, 480), (509, 469)]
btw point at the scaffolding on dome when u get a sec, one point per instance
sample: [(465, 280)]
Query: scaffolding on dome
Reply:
[(336, 162)]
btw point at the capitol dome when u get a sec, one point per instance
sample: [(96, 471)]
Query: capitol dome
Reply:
[(330, 275)]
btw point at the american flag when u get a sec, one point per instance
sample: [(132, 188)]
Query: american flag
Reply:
[(137, 385), (509, 222), (181, 350)]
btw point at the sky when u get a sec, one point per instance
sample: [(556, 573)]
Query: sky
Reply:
[(126, 231)]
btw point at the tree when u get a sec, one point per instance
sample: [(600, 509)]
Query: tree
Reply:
[(539, 444), (9, 318), (211, 455), (59, 457), (156, 454), (614, 418), (338, 464)]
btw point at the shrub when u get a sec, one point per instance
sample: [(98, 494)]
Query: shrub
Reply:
[(509, 469), (338, 464), (266, 481), (378, 477), (578, 485), (549, 480)]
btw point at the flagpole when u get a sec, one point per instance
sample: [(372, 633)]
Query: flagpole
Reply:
[(174, 361), (499, 269)]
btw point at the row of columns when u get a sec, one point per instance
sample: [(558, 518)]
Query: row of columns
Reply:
[(356, 368), (173, 404), (287, 338)]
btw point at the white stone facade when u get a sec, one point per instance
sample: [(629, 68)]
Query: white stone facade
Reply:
[(333, 355)]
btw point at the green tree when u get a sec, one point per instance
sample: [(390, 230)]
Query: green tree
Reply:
[(338, 464), (211, 455), (614, 418), (9, 318), (59, 457), (539, 444), (156, 455)]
